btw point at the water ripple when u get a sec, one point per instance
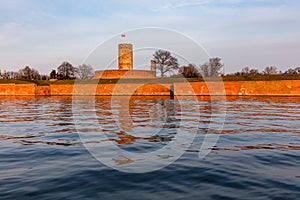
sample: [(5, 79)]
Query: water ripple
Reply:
[(256, 157)]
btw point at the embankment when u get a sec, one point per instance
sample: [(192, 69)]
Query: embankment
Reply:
[(240, 88), (17, 89), (237, 88)]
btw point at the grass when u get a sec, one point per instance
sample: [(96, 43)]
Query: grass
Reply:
[(11, 81), (262, 77), (155, 80)]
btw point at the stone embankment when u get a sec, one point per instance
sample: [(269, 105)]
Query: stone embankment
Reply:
[(238, 88)]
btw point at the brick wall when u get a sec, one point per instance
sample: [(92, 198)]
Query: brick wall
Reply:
[(42, 90), (7, 89), (282, 88), (285, 87), (17, 89), (123, 89), (61, 89)]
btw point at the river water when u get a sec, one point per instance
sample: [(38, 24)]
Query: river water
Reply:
[(51, 148)]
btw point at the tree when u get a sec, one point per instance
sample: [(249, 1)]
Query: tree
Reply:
[(53, 74), (165, 62), (66, 71), (44, 77), (270, 70), (211, 68), (245, 71), (253, 72), (29, 73), (291, 71), (85, 71), (5, 75), (189, 71)]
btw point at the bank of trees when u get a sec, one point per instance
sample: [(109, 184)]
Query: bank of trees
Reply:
[(64, 71), (295, 70), (24, 73), (67, 71), (167, 65), (210, 68), (269, 70)]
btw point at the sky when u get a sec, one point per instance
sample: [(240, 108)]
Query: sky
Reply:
[(253, 33)]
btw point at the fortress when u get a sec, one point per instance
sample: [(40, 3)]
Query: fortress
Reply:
[(125, 62), (150, 88)]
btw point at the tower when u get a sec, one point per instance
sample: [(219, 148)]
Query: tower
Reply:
[(153, 67), (125, 57)]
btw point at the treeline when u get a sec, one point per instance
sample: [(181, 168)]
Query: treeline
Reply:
[(25, 73), (65, 71), (214, 67), (270, 70), (166, 64)]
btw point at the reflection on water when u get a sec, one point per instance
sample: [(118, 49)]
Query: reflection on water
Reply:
[(27, 119), (47, 120), (257, 151)]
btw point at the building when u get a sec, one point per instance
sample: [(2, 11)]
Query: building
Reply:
[(125, 66)]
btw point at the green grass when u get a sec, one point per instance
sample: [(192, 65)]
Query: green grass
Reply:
[(15, 81), (39, 82), (155, 80), (262, 77), (123, 81)]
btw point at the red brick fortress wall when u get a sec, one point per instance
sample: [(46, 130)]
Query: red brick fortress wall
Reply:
[(122, 89), (17, 89), (238, 88)]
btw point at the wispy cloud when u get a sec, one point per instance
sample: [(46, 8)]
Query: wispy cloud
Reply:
[(169, 5)]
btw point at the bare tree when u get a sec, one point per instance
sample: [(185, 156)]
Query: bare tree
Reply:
[(189, 71), (211, 68), (29, 73), (12, 74), (66, 71), (165, 62), (270, 70), (18, 75), (53, 74), (253, 72), (245, 71), (5, 75), (45, 77), (85, 71), (291, 71)]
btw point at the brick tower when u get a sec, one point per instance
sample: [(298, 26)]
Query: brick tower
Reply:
[(125, 57)]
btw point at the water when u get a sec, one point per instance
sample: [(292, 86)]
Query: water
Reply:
[(42, 157)]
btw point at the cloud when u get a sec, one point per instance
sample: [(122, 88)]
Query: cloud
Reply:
[(169, 5)]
